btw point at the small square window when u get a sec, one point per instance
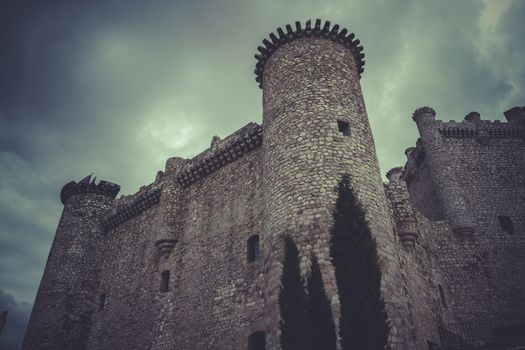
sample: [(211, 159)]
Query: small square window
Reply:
[(344, 127)]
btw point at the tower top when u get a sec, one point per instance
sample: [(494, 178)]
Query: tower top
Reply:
[(270, 46), (105, 188)]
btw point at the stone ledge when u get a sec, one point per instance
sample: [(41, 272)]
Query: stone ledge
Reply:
[(325, 32), (222, 153)]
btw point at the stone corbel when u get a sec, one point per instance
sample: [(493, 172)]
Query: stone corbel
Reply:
[(165, 246)]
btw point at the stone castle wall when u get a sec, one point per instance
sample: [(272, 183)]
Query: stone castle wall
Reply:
[(443, 253), (481, 271), (215, 296)]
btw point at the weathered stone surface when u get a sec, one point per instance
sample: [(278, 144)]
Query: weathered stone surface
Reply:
[(167, 267)]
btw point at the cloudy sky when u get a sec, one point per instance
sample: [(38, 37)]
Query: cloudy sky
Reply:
[(117, 86)]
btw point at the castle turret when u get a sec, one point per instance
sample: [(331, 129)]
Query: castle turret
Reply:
[(315, 128), (402, 209), (66, 296), (171, 202), (169, 234), (447, 188)]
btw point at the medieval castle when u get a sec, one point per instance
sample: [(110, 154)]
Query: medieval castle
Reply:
[(193, 260)]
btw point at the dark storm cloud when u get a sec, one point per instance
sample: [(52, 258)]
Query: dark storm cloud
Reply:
[(117, 86), (17, 318)]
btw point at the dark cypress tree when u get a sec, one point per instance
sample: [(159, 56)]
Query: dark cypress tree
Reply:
[(363, 323), (321, 328), (292, 299)]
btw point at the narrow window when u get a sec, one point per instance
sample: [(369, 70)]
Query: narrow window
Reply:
[(257, 341), (165, 281), (506, 224), (442, 296), (253, 248), (344, 127), (101, 301)]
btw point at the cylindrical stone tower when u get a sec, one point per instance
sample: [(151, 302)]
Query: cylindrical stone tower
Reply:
[(66, 296), (315, 128), (447, 188)]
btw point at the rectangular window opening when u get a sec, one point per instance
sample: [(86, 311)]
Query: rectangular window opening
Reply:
[(101, 301), (442, 296), (344, 127), (165, 281), (253, 248)]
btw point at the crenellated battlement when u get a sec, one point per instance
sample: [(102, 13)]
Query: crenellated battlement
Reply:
[(333, 34), (221, 153), (472, 126), (86, 186), (479, 128)]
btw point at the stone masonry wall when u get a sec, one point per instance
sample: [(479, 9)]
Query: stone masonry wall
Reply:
[(215, 295), (485, 163), (130, 283), (420, 269)]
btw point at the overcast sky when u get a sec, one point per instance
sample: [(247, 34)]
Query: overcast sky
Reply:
[(117, 86)]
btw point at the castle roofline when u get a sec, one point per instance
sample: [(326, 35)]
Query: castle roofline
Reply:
[(221, 152), (104, 188), (333, 34)]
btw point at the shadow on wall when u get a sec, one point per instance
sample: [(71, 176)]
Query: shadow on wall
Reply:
[(14, 330)]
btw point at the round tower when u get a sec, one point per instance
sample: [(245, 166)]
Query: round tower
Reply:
[(447, 187), (66, 296), (315, 128)]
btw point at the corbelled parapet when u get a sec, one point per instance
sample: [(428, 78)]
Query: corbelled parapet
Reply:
[(332, 33), (460, 131), (423, 111), (145, 199), (482, 130), (104, 188), (473, 126), (222, 153)]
